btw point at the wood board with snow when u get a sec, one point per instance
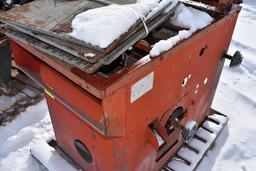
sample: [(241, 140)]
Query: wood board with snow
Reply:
[(102, 26), (57, 42), (90, 28)]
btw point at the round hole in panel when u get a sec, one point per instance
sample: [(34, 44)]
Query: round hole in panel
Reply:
[(184, 82), (83, 151)]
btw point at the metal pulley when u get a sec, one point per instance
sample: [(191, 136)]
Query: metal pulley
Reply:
[(236, 59), (189, 131)]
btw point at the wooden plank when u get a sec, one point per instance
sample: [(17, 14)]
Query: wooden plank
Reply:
[(194, 158)]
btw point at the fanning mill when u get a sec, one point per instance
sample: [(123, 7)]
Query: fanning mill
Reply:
[(141, 102)]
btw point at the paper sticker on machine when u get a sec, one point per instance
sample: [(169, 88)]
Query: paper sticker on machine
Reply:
[(142, 87)]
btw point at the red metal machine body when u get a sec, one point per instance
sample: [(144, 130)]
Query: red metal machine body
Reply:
[(113, 118), (221, 4)]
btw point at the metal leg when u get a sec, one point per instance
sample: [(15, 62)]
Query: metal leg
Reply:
[(5, 64)]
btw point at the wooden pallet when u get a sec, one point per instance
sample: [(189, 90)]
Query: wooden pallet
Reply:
[(23, 94), (52, 158), (53, 40), (190, 155)]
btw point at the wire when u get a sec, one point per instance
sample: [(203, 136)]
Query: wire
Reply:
[(145, 25)]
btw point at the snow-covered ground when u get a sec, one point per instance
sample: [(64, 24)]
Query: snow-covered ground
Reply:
[(17, 138), (236, 96)]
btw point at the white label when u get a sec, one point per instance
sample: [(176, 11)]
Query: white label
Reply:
[(142, 87)]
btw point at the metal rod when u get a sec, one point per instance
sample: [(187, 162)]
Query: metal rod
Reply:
[(58, 36)]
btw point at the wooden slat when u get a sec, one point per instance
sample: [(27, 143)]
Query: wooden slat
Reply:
[(201, 146)]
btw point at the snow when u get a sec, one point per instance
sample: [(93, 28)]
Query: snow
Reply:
[(49, 157), (190, 125), (101, 26), (236, 97), (9, 1), (161, 5), (19, 136), (235, 149), (90, 55), (8, 101), (186, 17), (211, 126)]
